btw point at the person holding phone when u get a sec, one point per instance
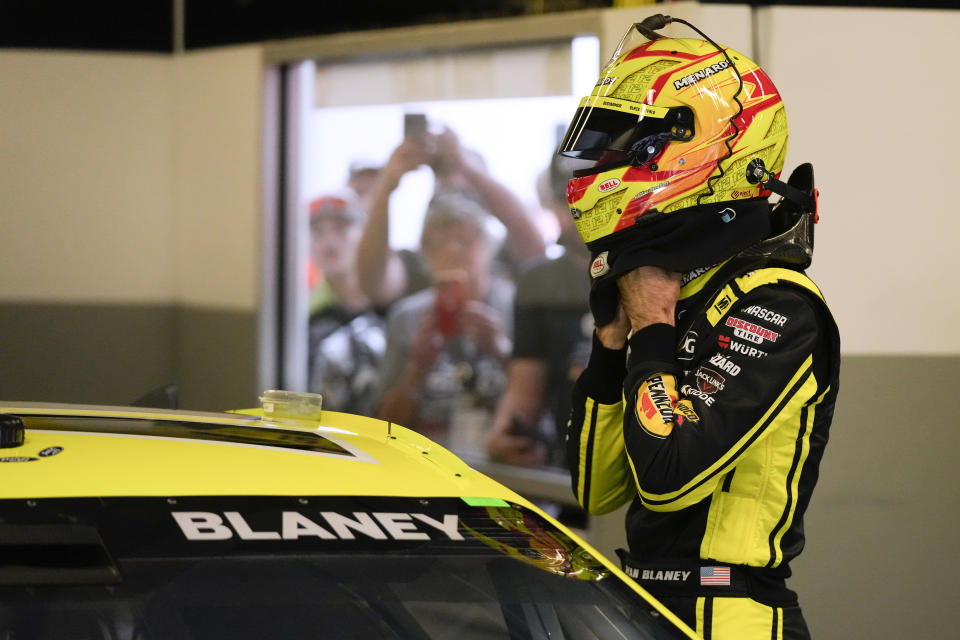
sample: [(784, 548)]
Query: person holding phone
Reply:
[(388, 274), (450, 342)]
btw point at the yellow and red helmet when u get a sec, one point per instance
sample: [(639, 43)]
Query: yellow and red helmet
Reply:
[(671, 124)]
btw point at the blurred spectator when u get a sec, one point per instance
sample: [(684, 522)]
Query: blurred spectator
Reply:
[(362, 178), (387, 275), (552, 329), (447, 345), (346, 342)]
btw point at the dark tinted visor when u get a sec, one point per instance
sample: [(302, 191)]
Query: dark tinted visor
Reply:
[(595, 131), (603, 130), (604, 124)]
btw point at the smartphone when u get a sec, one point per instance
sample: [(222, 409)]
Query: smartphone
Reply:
[(414, 125), (451, 297)]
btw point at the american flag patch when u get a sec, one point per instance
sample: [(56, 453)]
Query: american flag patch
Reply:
[(715, 576)]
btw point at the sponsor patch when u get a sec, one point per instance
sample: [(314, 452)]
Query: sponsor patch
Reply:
[(724, 364), (747, 350), (685, 353), (755, 330), (693, 392), (599, 266), (655, 401), (723, 303), (684, 412), (769, 315), (746, 335), (723, 341), (656, 398), (709, 381)]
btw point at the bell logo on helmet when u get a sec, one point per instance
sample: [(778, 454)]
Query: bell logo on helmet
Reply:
[(608, 185), (599, 266)]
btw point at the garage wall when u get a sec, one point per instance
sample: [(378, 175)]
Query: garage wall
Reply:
[(217, 174), (131, 223), (869, 105), (87, 177)]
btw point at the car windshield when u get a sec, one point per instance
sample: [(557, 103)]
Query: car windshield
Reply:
[(192, 568)]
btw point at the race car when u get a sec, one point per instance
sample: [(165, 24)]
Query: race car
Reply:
[(286, 521)]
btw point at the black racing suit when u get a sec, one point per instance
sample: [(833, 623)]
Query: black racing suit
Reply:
[(715, 430)]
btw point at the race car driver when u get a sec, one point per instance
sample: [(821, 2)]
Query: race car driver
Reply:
[(711, 385)]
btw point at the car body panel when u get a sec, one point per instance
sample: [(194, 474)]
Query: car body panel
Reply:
[(74, 451), (180, 466)]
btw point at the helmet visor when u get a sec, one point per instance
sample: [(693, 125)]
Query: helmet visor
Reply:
[(604, 129)]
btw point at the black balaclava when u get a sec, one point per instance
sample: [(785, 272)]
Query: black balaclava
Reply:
[(682, 241)]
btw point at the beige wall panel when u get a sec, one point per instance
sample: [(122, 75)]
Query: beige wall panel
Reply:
[(882, 524), (217, 177), (86, 177), (871, 105), (519, 71)]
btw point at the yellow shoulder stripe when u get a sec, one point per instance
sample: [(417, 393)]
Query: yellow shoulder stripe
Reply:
[(773, 275), (699, 484), (750, 281)]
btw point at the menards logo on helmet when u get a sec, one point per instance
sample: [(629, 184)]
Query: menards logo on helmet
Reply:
[(697, 76)]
